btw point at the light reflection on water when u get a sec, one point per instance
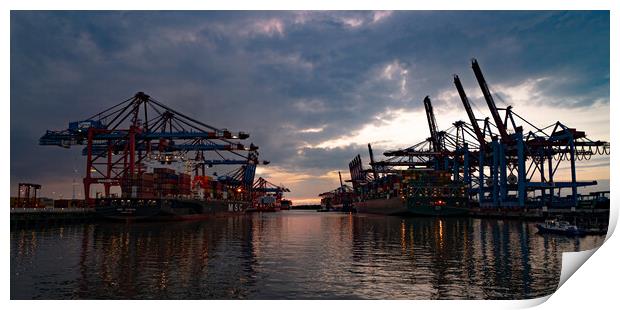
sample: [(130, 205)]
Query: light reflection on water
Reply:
[(290, 255)]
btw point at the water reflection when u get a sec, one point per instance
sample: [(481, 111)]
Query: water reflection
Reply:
[(290, 255)]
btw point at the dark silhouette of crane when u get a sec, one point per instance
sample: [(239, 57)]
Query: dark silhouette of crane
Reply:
[(432, 125)]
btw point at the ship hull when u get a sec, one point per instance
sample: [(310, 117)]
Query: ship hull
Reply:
[(166, 209), (391, 206), (343, 207), (129, 212), (337, 207), (445, 205), (395, 206), (437, 211)]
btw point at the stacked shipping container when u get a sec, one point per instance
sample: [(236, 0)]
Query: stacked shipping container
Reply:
[(162, 183), (185, 184), (138, 186), (214, 189), (387, 186), (165, 182)]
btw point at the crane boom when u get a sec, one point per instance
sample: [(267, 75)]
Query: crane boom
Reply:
[(470, 112), (490, 102), (372, 162), (432, 124)]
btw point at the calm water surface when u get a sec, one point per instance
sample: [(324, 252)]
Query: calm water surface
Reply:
[(290, 255)]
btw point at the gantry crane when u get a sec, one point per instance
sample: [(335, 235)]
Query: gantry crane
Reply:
[(513, 166), (266, 195), (121, 140), (501, 164)]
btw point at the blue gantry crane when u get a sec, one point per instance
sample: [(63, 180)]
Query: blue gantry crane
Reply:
[(120, 140), (502, 165)]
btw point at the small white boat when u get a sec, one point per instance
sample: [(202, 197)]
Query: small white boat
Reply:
[(559, 227)]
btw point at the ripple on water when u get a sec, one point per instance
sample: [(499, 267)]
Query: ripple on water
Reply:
[(288, 255)]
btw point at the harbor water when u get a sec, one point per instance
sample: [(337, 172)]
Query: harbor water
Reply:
[(290, 255)]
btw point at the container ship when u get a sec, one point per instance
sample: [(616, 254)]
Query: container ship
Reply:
[(380, 196), (166, 209), (165, 195), (420, 190), (339, 200), (433, 192), (423, 192)]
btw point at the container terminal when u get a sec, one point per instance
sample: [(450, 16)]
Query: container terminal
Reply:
[(484, 167), (480, 167), (137, 147)]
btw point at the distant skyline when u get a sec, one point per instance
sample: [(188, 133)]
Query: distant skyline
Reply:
[(311, 88)]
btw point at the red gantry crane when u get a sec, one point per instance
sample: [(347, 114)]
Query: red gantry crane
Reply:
[(120, 140)]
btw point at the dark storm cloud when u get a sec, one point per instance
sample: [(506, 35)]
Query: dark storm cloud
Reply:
[(277, 73)]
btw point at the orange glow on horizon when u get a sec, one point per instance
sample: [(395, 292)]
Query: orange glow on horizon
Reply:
[(305, 201)]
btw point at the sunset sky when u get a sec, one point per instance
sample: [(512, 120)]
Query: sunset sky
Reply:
[(311, 88)]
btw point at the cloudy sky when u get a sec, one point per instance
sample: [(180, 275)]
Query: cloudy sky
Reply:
[(312, 88)]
